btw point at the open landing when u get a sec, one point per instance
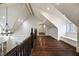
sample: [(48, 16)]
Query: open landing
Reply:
[(48, 46)]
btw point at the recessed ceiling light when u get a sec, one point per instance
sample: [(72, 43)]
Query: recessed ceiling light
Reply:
[(3, 17), (48, 8), (11, 37), (20, 20)]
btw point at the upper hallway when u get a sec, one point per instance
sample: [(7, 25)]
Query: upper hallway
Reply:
[(56, 20)]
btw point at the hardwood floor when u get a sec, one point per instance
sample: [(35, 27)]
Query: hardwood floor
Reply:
[(48, 46)]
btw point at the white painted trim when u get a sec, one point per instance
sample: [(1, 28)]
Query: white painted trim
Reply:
[(69, 41)]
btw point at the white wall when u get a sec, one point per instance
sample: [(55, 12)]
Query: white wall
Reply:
[(42, 28), (70, 37), (24, 31), (56, 19), (52, 32)]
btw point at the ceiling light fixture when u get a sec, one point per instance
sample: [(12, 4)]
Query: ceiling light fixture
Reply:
[(48, 8), (3, 17), (6, 30)]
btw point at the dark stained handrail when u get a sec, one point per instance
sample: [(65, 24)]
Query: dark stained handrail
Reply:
[(24, 49)]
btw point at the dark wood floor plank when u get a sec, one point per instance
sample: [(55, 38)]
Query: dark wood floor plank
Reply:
[(48, 46)]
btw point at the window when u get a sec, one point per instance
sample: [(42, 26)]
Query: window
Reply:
[(70, 27)]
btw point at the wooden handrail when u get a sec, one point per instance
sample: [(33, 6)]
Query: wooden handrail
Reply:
[(21, 49), (24, 49)]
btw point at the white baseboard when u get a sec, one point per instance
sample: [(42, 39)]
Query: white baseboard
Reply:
[(69, 41)]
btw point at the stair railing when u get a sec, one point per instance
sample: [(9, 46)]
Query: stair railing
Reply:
[(24, 49)]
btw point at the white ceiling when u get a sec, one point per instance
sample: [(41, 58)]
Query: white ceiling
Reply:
[(15, 12), (70, 10), (42, 19), (40, 9), (20, 11)]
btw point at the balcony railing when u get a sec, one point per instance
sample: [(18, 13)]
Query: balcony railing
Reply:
[(24, 49)]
